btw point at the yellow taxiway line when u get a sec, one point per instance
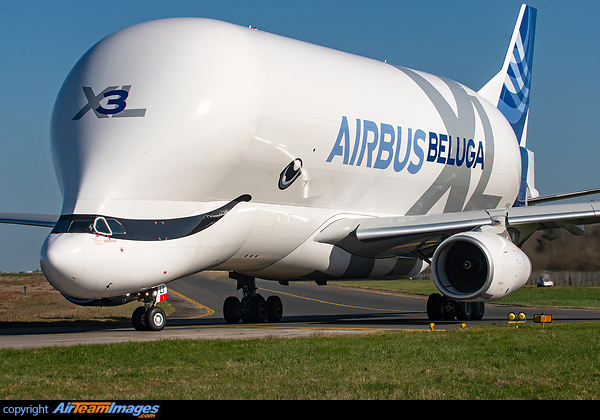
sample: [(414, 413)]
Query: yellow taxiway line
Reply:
[(210, 311)]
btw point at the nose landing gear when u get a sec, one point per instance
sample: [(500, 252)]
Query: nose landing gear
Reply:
[(150, 317), (252, 307)]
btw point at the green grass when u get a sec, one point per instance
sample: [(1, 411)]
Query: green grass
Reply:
[(490, 362), (557, 296), (493, 362)]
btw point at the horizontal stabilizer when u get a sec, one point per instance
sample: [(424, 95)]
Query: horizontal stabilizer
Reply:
[(564, 196), (43, 220)]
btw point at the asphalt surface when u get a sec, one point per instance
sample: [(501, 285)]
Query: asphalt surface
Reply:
[(309, 310)]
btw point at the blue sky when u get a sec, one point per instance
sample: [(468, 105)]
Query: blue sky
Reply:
[(464, 40)]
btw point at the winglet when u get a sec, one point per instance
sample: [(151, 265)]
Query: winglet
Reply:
[(510, 89)]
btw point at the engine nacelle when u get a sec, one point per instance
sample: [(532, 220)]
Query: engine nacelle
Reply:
[(477, 266)]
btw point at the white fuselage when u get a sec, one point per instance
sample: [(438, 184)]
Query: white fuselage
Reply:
[(198, 113)]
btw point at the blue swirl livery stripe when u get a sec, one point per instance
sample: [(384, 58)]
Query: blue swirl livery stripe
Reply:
[(514, 98)]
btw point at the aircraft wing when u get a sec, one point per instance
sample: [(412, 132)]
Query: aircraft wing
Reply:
[(44, 220), (381, 237)]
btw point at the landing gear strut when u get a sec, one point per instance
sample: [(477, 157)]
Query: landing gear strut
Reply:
[(252, 307), (150, 317), (443, 308)]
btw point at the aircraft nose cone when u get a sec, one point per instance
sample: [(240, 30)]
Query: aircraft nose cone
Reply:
[(62, 260)]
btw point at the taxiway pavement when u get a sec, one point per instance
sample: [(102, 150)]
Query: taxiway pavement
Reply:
[(309, 310)]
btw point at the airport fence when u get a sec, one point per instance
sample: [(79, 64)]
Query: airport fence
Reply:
[(566, 278)]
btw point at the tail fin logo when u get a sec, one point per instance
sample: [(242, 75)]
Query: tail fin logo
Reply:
[(514, 97)]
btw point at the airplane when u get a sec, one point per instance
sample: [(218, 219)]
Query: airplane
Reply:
[(188, 144)]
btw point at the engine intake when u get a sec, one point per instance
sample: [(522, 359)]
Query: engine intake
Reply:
[(477, 266)]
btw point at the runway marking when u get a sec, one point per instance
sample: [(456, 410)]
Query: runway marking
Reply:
[(383, 292), (282, 293), (291, 326), (318, 327), (326, 302), (209, 311)]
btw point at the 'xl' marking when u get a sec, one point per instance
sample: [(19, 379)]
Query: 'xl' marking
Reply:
[(116, 101)]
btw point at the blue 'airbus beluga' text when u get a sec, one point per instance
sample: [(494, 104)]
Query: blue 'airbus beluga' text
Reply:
[(381, 146)]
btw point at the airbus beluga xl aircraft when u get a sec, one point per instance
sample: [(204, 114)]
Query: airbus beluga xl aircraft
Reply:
[(183, 145)]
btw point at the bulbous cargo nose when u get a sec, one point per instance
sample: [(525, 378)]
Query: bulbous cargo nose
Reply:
[(62, 261)]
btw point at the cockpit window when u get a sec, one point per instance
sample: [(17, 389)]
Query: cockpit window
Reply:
[(101, 226), (81, 226), (115, 226), (98, 225), (143, 229), (61, 226)]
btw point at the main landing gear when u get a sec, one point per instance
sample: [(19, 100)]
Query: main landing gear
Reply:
[(150, 317), (443, 308), (253, 307)]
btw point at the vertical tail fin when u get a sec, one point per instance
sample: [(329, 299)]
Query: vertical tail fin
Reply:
[(510, 90)]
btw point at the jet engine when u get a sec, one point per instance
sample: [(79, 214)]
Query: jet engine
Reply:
[(479, 267)]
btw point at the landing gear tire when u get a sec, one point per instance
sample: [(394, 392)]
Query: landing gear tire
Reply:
[(231, 310), (434, 307), (478, 309), (138, 319), (252, 308), (448, 309), (149, 317), (464, 311), (155, 318), (274, 309), (245, 310), (257, 309), (442, 308)]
